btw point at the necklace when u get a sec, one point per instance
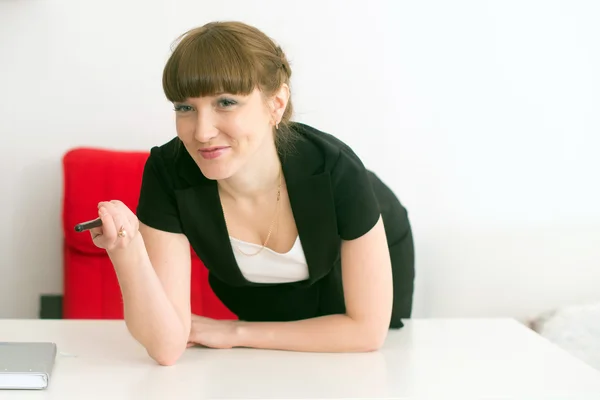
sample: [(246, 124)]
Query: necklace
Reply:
[(270, 226)]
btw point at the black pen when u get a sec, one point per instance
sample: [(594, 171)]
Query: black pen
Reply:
[(84, 226)]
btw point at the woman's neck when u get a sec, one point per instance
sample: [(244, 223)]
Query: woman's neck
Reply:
[(259, 176)]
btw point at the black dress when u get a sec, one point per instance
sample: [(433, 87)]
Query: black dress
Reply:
[(333, 198)]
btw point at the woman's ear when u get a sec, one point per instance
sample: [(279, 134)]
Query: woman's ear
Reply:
[(279, 102)]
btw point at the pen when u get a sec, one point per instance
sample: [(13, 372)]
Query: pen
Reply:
[(84, 226)]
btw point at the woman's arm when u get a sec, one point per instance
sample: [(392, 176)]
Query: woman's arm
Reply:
[(368, 291), (153, 271)]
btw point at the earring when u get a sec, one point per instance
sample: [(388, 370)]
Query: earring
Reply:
[(277, 126)]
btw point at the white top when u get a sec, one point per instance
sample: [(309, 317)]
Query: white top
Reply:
[(268, 266), (427, 359)]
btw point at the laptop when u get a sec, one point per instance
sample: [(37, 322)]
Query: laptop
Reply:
[(26, 365)]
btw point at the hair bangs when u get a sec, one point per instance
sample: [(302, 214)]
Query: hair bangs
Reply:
[(207, 64)]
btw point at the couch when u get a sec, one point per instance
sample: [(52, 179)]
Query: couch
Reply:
[(91, 289)]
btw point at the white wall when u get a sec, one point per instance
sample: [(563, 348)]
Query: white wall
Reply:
[(482, 115)]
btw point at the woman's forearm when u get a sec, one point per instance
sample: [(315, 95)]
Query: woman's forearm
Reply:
[(331, 333), (150, 316)]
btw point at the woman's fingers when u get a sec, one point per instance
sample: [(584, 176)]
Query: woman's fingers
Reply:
[(109, 228), (127, 219), (96, 232), (118, 225)]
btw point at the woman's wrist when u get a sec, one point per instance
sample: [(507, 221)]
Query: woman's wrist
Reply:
[(248, 334), (240, 334), (133, 253)]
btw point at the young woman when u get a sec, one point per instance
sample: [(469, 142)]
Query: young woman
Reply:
[(305, 245)]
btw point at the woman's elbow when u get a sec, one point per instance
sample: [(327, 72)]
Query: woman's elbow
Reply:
[(373, 337), (373, 343), (166, 358), (166, 362), (167, 353)]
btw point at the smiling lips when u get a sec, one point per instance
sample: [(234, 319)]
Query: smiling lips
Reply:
[(213, 152)]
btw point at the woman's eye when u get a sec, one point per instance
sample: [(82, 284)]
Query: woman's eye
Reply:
[(226, 103), (182, 108)]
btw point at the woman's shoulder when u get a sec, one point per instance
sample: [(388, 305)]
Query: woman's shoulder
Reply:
[(161, 159), (356, 207), (331, 150), (170, 163), (167, 152), (324, 140)]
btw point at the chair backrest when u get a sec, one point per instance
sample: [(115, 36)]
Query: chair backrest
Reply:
[(90, 285), (94, 175)]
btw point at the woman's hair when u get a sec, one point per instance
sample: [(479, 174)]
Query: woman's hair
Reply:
[(229, 57)]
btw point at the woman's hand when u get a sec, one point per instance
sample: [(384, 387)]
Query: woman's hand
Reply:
[(208, 332), (119, 226)]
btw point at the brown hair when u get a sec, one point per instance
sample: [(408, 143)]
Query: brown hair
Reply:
[(229, 57)]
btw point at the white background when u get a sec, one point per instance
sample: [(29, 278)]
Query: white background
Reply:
[(481, 115)]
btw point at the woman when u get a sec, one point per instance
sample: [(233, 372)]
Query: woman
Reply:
[(308, 248)]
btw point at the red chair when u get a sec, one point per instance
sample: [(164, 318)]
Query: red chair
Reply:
[(91, 289)]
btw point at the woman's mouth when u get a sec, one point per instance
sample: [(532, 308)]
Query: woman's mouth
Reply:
[(211, 153)]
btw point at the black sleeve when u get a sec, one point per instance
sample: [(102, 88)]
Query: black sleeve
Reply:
[(157, 206), (357, 208)]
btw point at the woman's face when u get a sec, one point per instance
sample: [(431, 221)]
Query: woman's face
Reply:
[(222, 132)]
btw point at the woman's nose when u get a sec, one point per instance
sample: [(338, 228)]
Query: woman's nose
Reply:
[(205, 127)]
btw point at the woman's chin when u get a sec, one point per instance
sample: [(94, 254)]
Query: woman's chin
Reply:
[(215, 172)]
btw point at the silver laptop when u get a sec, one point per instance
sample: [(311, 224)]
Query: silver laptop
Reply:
[(26, 365)]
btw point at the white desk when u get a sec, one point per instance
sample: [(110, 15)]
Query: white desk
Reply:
[(428, 359)]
